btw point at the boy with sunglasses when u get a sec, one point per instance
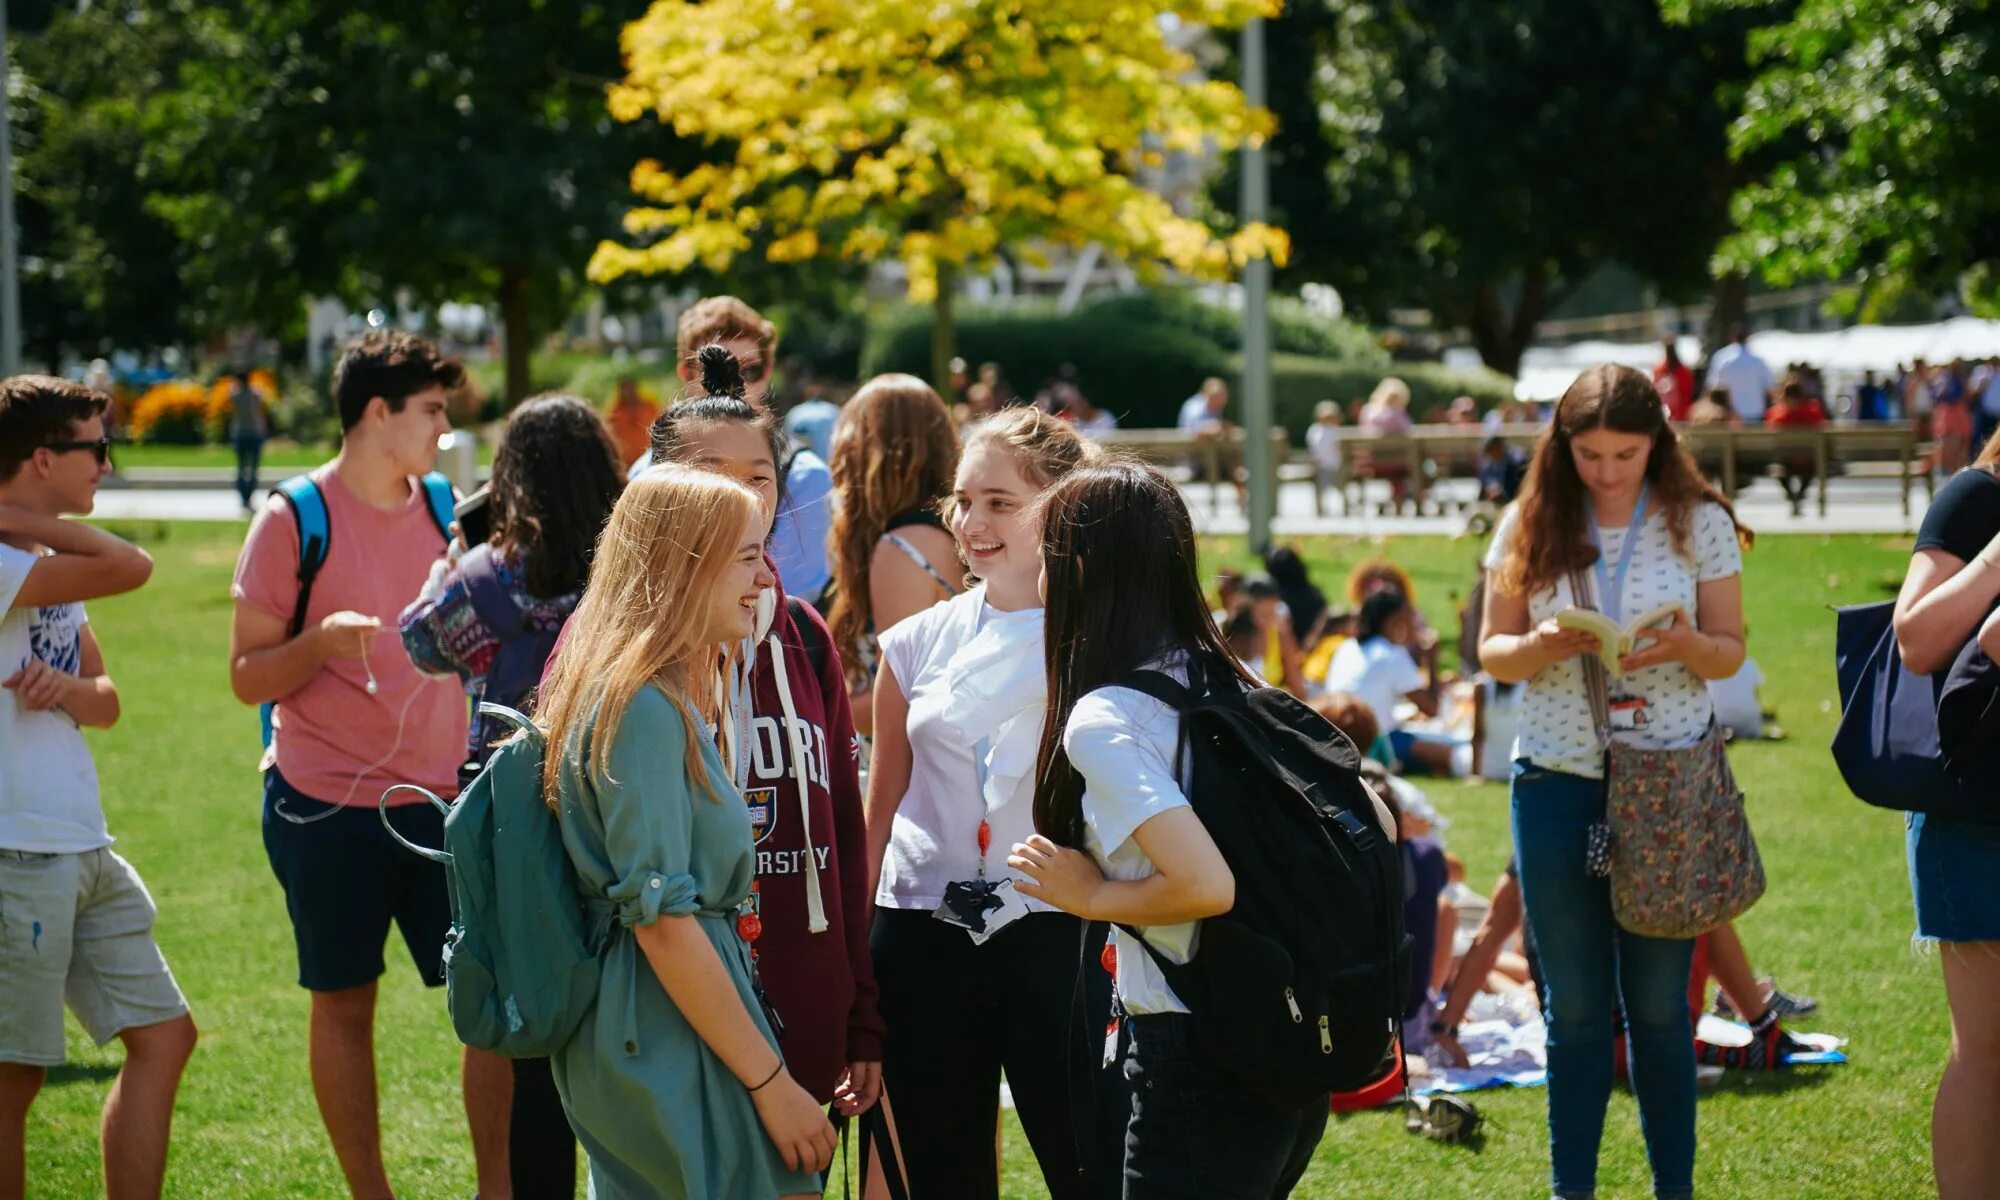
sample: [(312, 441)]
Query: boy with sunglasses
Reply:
[(76, 922)]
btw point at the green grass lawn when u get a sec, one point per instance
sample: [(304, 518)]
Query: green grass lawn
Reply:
[(180, 783)]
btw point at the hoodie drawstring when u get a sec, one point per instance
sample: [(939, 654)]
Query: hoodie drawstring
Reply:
[(815, 905)]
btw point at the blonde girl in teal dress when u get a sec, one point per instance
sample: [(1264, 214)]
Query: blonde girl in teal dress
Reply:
[(674, 1082)]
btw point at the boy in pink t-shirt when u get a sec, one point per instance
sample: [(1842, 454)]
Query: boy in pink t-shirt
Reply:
[(352, 718)]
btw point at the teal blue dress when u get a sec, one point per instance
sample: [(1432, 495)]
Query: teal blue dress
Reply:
[(658, 1113)]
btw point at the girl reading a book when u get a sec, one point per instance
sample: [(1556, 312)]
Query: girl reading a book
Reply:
[(1614, 495)]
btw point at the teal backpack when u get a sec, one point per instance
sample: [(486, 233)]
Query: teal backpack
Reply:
[(520, 968)]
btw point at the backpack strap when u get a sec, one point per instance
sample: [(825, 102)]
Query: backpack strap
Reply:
[(308, 508), (808, 636), (438, 491)]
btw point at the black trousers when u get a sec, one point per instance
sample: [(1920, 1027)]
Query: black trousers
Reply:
[(1195, 1134), (540, 1145), (958, 1015)]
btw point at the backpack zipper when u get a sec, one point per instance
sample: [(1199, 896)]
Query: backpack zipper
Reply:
[(1292, 1003), (1325, 1037)]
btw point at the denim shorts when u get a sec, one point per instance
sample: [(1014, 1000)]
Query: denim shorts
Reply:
[(1955, 877), (76, 927)]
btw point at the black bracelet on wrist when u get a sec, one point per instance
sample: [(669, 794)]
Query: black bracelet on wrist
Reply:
[(1440, 1029), (775, 1072)]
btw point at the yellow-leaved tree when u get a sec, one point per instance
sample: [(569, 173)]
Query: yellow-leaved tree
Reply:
[(936, 131)]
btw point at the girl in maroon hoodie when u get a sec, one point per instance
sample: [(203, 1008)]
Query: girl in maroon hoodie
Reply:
[(789, 739)]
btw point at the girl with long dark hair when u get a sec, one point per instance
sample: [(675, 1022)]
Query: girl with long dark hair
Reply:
[(490, 615), (1613, 492), (975, 980), (1118, 841)]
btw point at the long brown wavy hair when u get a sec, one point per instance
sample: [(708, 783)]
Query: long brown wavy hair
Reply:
[(894, 452), (1549, 540)]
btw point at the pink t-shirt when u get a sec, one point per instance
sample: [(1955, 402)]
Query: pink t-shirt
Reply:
[(328, 731)]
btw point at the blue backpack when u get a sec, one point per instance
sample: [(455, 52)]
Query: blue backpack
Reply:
[(1886, 744), (520, 965), (308, 505)]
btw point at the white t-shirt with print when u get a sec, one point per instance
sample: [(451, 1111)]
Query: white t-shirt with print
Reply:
[(1557, 731), (1123, 743), (48, 782), (1380, 672)]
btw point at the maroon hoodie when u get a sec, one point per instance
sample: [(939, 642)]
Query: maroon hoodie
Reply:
[(822, 984)]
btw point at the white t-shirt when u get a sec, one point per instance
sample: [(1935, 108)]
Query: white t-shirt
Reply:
[(1746, 377), (48, 786), (1735, 700), (1123, 742), (1557, 731), (1380, 672), (935, 838), (1323, 443)]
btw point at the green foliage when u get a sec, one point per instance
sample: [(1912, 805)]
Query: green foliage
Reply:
[(1140, 355), (1138, 372), (1883, 116), (1481, 159)]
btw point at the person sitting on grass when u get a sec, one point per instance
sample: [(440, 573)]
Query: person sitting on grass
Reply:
[(76, 923)]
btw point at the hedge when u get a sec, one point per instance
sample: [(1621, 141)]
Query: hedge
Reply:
[(1299, 383)]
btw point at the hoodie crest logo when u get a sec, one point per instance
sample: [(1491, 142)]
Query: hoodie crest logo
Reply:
[(763, 805)]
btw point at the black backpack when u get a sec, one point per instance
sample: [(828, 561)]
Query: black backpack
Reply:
[(1300, 987)]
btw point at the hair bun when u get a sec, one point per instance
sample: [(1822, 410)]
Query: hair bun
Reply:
[(720, 374)]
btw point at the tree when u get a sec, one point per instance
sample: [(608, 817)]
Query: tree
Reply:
[(98, 268), (373, 148), (936, 133), (1883, 117), (1485, 156)]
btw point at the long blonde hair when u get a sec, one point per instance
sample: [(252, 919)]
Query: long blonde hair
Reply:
[(674, 532)]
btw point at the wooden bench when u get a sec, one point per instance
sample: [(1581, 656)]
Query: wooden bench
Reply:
[(1430, 452)]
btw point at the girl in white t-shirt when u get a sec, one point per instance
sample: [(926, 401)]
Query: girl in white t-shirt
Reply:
[(1612, 492), (1119, 842), (1376, 665), (974, 978)]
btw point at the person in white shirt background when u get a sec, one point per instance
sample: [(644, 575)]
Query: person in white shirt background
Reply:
[(1118, 841), (78, 921), (1323, 445), (1376, 665), (1747, 377)]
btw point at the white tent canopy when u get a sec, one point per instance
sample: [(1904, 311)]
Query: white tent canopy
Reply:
[(1547, 371)]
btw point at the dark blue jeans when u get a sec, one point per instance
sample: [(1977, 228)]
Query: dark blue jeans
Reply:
[(1588, 963), (249, 450)]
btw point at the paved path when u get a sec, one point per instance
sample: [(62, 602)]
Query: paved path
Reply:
[(1854, 506)]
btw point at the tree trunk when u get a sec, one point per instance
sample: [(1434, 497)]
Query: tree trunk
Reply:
[(944, 344), (1502, 337), (1727, 304), (515, 328)]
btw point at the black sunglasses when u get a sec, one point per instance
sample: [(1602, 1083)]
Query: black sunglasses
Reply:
[(98, 446)]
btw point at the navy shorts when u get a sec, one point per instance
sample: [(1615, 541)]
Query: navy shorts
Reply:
[(346, 880), (1955, 877)]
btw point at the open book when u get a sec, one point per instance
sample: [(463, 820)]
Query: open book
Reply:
[(1615, 641)]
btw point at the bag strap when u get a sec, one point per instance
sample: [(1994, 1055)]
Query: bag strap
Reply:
[(1082, 1067), (442, 499), (308, 508), (808, 633), (1595, 684)]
